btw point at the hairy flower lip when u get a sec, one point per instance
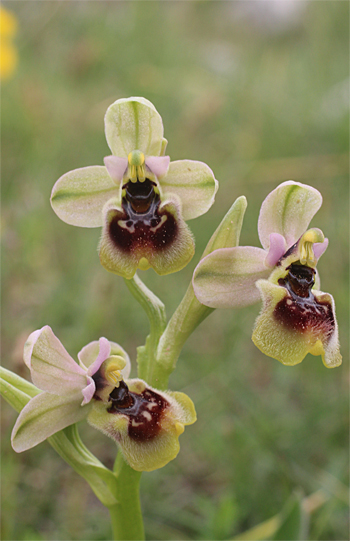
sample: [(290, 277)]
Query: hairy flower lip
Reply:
[(159, 238), (289, 326), (147, 430), (144, 410)]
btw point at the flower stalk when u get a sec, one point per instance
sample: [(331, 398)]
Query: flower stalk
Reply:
[(126, 515), (155, 312)]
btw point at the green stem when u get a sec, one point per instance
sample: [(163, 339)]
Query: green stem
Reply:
[(155, 311), (126, 516), (156, 361), (188, 315)]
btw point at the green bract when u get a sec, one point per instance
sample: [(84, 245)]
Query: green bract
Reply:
[(140, 198)]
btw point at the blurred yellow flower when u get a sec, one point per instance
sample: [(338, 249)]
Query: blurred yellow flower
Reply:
[(8, 53)]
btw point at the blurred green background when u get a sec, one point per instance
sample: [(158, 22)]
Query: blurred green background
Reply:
[(258, 90)]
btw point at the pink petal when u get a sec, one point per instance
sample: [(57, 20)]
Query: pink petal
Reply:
[(159, 165), (319, 248), (88, 391), (103, 354), (116, 167), (276, 250), (28, 347), (89, 353)]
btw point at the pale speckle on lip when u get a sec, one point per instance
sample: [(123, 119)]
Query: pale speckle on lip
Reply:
[(301, 310), (134, 423), (156, 230), (144, 422), (151, 405), (306, 315)]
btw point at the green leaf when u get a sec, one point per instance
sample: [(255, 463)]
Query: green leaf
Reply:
[(294, 521), (291, 524), (67, 443), (225, 517), (263, 531), (15, 390), (190, 312)]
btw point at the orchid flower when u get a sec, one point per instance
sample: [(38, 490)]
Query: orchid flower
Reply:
[(296, 318), (145, 423), (68, 387), (139, 198)]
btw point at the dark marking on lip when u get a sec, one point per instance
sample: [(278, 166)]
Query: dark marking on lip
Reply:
[(100, 383), (299, 280), (121, 397), (140, 195), (300, 310), (144, 411), (287, 254), (141, 225)]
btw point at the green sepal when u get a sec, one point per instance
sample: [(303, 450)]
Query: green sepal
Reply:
[(134, 124)]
